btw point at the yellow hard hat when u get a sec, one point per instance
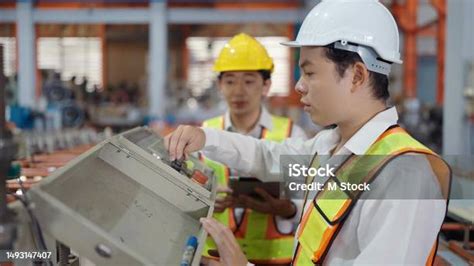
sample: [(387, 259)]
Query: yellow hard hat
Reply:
[(243, 53)]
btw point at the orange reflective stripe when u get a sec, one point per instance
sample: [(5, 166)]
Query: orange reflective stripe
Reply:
[(290, 128), (227, 174), (329, 232), (240, 233), (432, 255), (264, 133), (232, 223), (391, 131), (297, 255), (327, 236), (414, 150)]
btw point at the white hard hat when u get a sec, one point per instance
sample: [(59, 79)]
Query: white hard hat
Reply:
[(353, 25)]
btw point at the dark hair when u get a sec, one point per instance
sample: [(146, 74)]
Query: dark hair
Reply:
[(266, 74), (343, 59)]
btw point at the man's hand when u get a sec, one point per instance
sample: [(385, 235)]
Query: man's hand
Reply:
[(270, 205), (184, 140), (223, 199), (227, 246)]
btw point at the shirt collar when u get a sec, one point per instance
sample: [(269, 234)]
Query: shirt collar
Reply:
[(361, 141), (264, 121), (369, 133)]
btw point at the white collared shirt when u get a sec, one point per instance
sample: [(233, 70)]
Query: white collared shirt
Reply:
[(377, 231), (264, 122)]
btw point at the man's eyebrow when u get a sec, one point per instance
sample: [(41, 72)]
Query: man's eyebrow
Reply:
[(305, 63), (249, 74)]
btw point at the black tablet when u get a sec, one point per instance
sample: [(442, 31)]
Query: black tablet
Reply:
[(247, 185)]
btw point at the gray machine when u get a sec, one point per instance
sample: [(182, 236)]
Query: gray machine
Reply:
[(124, 203)]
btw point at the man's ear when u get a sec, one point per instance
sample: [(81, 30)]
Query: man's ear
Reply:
[(266, 87), (360, 76)]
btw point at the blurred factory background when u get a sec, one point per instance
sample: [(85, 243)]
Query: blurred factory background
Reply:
[(74, 72), (124, 63)]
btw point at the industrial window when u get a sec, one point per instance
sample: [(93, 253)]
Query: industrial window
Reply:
[(203, 51), (9, 55), (72, 56)]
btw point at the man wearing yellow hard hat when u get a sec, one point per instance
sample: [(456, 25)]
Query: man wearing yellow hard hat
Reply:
[(263, 228)]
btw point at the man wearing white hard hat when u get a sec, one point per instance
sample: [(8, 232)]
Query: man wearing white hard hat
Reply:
[(347, 48)]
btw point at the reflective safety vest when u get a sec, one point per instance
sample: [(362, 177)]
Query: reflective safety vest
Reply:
[(322, 221), (257, 233)]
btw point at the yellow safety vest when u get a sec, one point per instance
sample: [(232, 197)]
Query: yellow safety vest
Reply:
[(257, 233), (322, 221)]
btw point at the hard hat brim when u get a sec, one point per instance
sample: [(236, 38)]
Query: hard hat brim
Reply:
[(297, 44), (292, 44)]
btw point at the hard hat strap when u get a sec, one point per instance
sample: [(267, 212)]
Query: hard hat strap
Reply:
[(368, 56)]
